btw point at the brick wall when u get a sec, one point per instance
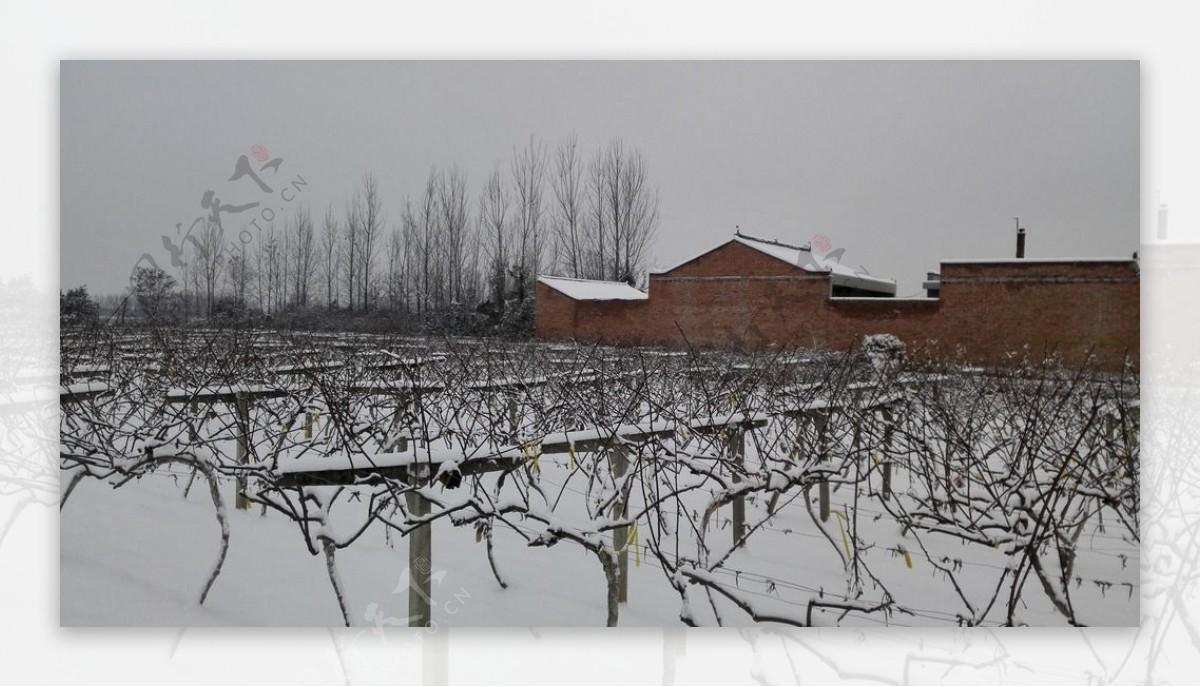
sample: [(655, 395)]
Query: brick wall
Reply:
[(991, 308), (555, 315), (733, 259), (738, 297)]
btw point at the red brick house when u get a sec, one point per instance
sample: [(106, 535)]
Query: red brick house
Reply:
[(753, 294)]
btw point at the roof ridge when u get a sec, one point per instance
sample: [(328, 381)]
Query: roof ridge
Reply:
[(596, 281), (774, 242)]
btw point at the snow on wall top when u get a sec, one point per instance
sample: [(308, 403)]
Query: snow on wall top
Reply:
[(593, 290), (997, 261)]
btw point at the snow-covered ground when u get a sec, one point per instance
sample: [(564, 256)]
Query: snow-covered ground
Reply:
[(140, 555), (972, 462)]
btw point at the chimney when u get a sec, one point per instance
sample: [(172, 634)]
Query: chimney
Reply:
[(1020, 242)]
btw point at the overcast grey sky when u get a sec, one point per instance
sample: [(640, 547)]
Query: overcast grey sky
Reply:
[(900, 163)]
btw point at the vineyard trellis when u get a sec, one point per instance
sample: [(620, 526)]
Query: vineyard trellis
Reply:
[(686, 460)]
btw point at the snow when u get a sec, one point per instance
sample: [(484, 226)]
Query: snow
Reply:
[(433, 455), (438, 454), (305, 367), (593, 290), (181, 393), (83, 388), (89, 369), (140, 555), (813, 262), (144, 562)]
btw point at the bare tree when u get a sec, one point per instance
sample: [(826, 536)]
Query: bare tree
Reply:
[(494, 229), (529, 173), (187, 269), (596, 220), (395, 269), (372, 223), (351, 239), (411, 239), (455, 229), (268, 258), (472, 284), (568, 207), (304, 261), (637, 206), (239, 272), (210, 256), (428, 247), (625, 211), (260, 272), (153, 289), (285, 264), (330, 255)]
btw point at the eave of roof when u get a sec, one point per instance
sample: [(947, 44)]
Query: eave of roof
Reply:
[(593, 289)]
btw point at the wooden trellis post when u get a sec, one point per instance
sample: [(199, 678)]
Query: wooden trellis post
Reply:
[(1129, 434), (193, 435), (799, 422), (737, 455), (240, 401), (889, 429), (820, 424), (620, 509), (242, 404), (512, 414), (420, 563), (420, 538), (400, 443)]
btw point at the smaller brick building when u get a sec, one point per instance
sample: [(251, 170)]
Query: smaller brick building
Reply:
[(752, 294)]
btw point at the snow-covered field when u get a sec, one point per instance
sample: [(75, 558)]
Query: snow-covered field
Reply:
[(139, 556), (1006, 506)]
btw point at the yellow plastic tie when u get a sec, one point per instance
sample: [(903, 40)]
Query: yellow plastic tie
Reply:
[(635, 541), (571, 453), (531, 455), (842, 526)]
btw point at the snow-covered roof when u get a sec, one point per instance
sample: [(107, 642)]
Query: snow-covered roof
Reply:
[(804, 258), (593, 290)]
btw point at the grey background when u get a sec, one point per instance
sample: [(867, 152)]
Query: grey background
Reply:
[(900, 163)]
